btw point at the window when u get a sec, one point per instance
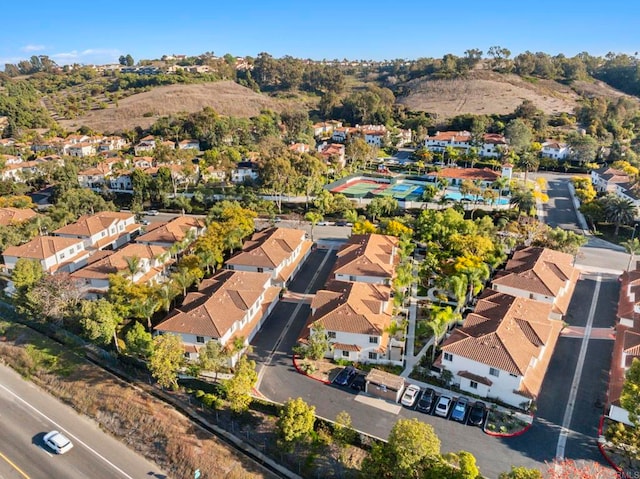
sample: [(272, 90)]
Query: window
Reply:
[(331, 334), (373, 355), (352, 278), (260, 270), (513, 375), (494, 372), (373, 339), (448, 357), (104, 233), (199, 339), (345, 354), (473, 385)]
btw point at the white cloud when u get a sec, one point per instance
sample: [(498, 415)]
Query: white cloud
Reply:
[(90, 55), (32, 48)]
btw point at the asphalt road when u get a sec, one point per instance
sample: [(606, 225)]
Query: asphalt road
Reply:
[(27, 414)]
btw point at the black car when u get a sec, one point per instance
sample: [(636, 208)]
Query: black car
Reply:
[(426, 401), (345, 376), (341, 223), (477, 413), (358, 382)]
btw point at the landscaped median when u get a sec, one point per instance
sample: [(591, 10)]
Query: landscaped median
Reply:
[(507, 423), (624, 462), (305, 367)]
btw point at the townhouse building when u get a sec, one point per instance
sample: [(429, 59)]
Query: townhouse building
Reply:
[(503, 348), (142, 264), (229, 307), (103, 230), (277, 251)]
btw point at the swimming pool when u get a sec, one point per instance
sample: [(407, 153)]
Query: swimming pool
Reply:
[(455, 195)]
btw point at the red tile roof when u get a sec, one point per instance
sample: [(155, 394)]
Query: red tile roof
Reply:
[(12, 215), (219, 302), (507, 333), (540, 271), (269, 248), (484, 174), (371, 255), (359, 308), (41, 247)]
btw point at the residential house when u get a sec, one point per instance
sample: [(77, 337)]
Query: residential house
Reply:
[(23, 170), (299, 147), (455, 176), (54, 254), (112, 143), (244, 172), (541, 274), (189, 145), (503, 348), (342, 134), (356, 318), (325, 129), (374, 135), (103, 230), (277, 251), (492, 144), (95, 178), (626, 346), (607, 179), (150, 267), (229, 306), (175, 231), (214, 174), (370, 258), (148, 143), (11, 216), (81, 150), (333, 153), (555, 150)]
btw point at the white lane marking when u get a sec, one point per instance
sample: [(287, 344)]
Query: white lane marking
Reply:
[(67, 432), (568, 412)]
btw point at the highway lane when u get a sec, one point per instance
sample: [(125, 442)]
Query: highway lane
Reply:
[(27, 413)]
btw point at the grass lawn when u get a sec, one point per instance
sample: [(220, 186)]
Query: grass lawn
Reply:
[(606, 232)]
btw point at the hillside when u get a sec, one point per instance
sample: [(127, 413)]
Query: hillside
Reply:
[(142, 109), (486, 92)]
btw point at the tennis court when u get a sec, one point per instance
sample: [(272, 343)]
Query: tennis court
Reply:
[(361, 188)]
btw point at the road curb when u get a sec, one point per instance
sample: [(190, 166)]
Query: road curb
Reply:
[(294, 358), (617, 468)]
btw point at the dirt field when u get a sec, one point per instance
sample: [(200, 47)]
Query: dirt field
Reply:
[(487, 92), (226, 97)]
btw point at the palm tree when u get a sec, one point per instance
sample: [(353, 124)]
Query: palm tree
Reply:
[(184, 279), (528, 162), (314, 218), (457, 285), (632, 247), (619, 211), (500, 184), (146, 308), (441, 318), (134, 265), (165, 294)]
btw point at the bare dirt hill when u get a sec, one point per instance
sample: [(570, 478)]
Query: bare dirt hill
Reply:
[(486, 92), (142, 109)]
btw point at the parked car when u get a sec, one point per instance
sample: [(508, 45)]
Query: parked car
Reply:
[(426, 401), (323, 223), (460, 409), (58, 442), (410, 395), (477, 413), (341, 223), (358, 382), (152, 213), (443, 405), (345, 376), (145, 222)]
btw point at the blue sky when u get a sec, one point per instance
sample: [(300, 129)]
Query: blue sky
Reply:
[(99, 32)]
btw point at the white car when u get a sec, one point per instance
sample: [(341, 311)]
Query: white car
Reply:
[(152, 213), (410, 395), (58, 442)]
